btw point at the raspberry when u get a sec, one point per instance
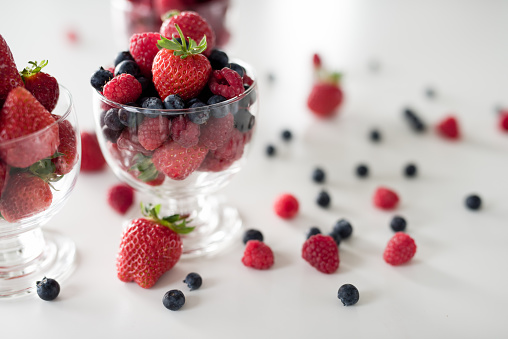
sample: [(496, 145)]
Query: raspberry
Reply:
[(385, 198), (121, 198), (449, 128), (123, 89), (503, 121), (184, 132), (143, 48), (215, 132), (153, 132), (286, 206), (232, 148), (257, 255), (91, 156), (226, 82), (324, 99), (322, 253), (214, 164), (400, 249)]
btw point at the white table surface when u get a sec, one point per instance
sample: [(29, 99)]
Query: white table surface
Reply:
[(455, 286)]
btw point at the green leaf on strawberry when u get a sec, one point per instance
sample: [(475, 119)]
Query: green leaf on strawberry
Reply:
[(175, 222), (144, 165), (181, 49), (35, 68)]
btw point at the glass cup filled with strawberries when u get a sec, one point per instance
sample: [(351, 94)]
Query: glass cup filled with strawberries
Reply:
[(175, 118), (39, 165)]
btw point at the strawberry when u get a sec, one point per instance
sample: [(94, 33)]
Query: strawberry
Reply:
[(163, 6), (153, 132), (4, 173), (150, 247), (23, 115), (120, 197), (214, 164), (67, 147), (322, 253), (232, 148), (9, 75), (180, 68), (184, 131), (193, 26), (400, 249), (449, 128), (178, 162), (43, 86), (326, 95), (92, 159), (257, 255), (216, 131), (143, 48), (122, 89), (24, 195)]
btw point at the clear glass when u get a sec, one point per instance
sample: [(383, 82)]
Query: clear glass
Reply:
[(130, 17), (216, 222), (28, 252)]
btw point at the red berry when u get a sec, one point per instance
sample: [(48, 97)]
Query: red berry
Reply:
[(122, 89), (178, 162), (316, 60), (214, 164), (92, 159), (449, 128), (322, 253), (153, 132), (503, 121), (233, 147), (43, 86), (4, 174), (184, 131), (400, 249), (226, 82), (385, 198), (143, 48), (9, 75), (286, 206), (216, 131), (257, 255), (325, 99), (68, 147), (121, 197)]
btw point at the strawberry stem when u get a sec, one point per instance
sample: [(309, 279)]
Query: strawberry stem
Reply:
[(181, 48), (34, 69), (175, 222)]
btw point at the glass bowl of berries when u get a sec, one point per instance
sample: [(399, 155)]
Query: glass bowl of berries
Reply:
[(39, 166), (179, 138)]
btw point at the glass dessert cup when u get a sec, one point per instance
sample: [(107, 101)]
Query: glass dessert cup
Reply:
[(157, 174), (28, 252)]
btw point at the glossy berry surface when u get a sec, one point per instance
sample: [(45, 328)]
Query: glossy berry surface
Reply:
[(400, 249), (348, 294), (343, 228), (174, 101), (318, 175), (252, 234), (258, 255), (218, 59), (473, 202), (313, 231), (286, 206), (410, 170), (129, 67), (323, 199), (398, 224), (322, 253), (123, 55), (193, 281), (173, 300), (100, 78), (48, 289), (362, 171), (287, 135)]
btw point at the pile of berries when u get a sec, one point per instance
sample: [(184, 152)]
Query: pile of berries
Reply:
[(172, 106), (36, 146)]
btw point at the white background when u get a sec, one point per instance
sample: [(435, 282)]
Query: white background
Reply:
[(455, 287)]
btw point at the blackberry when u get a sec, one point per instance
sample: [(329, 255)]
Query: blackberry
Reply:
[(173, 300), (218, 112), (193, 281), (336, 237), (348, 294), (124, 55), (375, 135), (244, 120), (313, 231), (237, 68), (362, 171), (48, 289), (252, 235), (287, 135), (323, 199), (100, 78), (173, 101), (473, 202), (410, 170), (343, 228), (111, 134), (398, 224), (318, 175), (129, 67), (218, 59), (270, 150), (112, 121), (414, 120), (201, 116)]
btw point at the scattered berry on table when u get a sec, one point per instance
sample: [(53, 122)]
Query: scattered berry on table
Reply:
[(336, 237), (503, 120), (286, 206), (385, 198), (326, 95), (123, 55), (343, 228), (9, 75), (313, 231), (473, 202), (316, 61), (400, 249), (91, 156), (449, 128), (122, 89), (128, 67), (322, 253), (174, 101), (362, 171), (410, 170), (173, 300), (323, 199), (257, 255), (43, 86), (414, 120), (375, 135), (287, 135), (48, 289), (398, 224), (252, 234), (348, 294), (270, 150), (120, 197), (318, 175), (218, 59), (193, 281)]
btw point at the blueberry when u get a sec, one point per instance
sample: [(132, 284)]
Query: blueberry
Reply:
[(174, 101), (348, 294), (147, 87), (313, 231), (205, 94), (220, 111), (473, 202), (193, 281), (414, 120), (286, 135), (173, 300), (100, 78), (130, 119), (362, 171), (398, 224), (244, 120), (336, 237), (111, 134), (375, 135), (112, 121), (252, 235), (129, 67), (323, 199), (218, 59), (270, 150), (101, 118), (192, 101), (48, 289), (201, 116), (124, 55), (248, 99), (318, 175), (343, 228), (237, 68), (152, 103), (410, 170)]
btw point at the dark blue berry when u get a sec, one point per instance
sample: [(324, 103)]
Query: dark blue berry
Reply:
[(220, 111), (323, 199), (473, 202), (287, 135), (200, 116), (215, 99), (318, 175), (398, 224), (100, 78), (48, 289), (348, 294), (111, 134), (147, 87), (174, 101), (218, 59), (343, 228), (192, 101), (193, 281), (101, 118), (130, 119), (152, 103), (414, 120), (129, 67), (375, 135), (336, 237), (205, 94), (362, 171), (112, 121), (244, 120), (124, 55), (270, 150), (410, 170), (237, 68), (173, 300), (313, 231), (252, 235)]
